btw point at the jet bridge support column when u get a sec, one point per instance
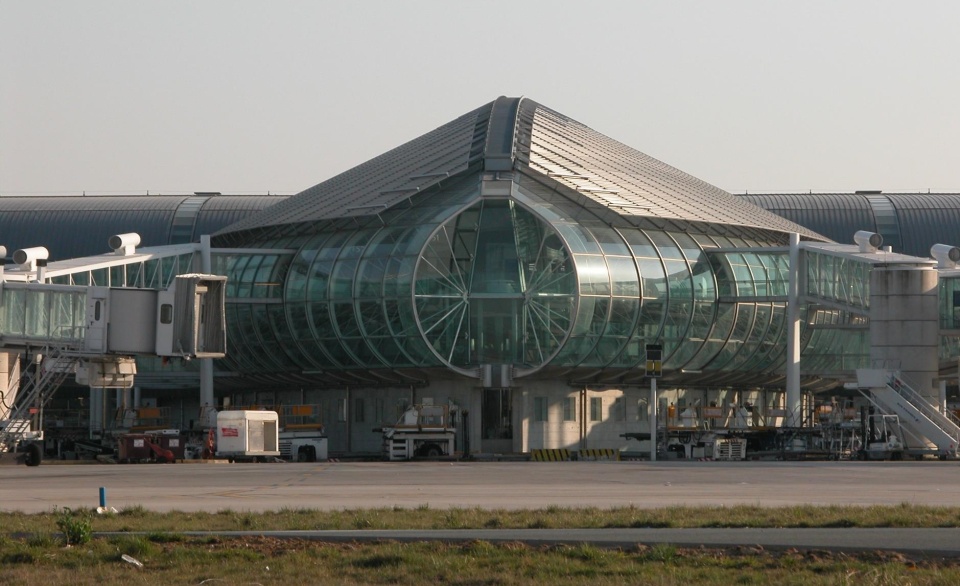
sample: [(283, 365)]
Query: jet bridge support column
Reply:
[(95, 409), (208, 401), (8, 388), (794, 418)]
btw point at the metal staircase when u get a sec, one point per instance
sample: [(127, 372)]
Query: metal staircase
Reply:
[(919, 419), (36, 387)]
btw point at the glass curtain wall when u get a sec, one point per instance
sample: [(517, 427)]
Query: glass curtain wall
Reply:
[(459, 281), (348, 297), (839, 279)]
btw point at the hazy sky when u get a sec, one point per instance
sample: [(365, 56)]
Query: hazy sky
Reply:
[(237, 96)]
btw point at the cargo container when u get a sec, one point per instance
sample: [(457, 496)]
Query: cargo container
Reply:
[(248, 435)]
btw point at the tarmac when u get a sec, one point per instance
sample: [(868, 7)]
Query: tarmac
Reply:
[(489, 485)]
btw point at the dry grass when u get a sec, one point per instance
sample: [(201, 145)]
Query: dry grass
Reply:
[(270, 561), (140, 519)]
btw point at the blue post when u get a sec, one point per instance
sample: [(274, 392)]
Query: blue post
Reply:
[(103, 497)]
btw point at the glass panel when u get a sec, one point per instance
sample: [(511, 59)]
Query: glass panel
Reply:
[(36, 314), (592, 274), (135, 275), (655, 294), (578, 238), (772, 342), (623, 274), (496, 268), (342, 281), (260, 284), (741, 328), (718, 336), (758, 330), (117, 278), (591, 320), (15, 312), (240, 277), (610, 344), (298, 276), (370, 277), (494, 330), (640, 245), (399, 276), (679, 312), (610, 241), (949, 291), (666, 247)]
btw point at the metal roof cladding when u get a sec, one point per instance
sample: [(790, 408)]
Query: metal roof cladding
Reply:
[(73, 226), (518, 134), (909, 222)]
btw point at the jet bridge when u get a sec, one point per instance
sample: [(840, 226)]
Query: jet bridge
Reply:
[(94, 333)]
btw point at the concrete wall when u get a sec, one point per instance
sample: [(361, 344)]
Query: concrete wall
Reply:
[(904, 325)]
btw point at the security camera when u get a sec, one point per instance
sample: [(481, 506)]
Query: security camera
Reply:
[(946, 256), (124, 244), (868, 241), (27, 257)]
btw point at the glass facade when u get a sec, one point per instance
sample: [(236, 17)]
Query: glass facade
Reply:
[(154, 273), (455, 280), (949, 304), (949, 295), (33, 313), (839, 279)]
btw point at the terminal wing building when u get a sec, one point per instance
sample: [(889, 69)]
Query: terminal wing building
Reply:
[(533, 275)]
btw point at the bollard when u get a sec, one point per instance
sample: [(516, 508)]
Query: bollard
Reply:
[(102, 509)]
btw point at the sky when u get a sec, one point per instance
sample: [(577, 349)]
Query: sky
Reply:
[(237, 96)]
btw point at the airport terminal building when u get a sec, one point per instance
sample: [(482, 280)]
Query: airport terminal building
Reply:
[(520, 268)]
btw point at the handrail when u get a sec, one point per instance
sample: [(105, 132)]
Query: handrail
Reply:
[(35, 393), (904, 430), (896, 382)]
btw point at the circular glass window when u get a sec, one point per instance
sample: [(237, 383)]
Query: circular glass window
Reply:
[(495, 285)]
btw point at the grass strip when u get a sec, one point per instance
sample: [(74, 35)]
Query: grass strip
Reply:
[(423, 517), (260, 560)]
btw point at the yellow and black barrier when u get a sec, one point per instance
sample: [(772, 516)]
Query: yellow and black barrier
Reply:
[(564, 455), (555, 455), (599, 454)]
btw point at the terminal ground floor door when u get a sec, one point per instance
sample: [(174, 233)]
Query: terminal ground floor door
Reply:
[(496, 421)]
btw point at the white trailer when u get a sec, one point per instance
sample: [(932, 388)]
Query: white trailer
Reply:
[(251, 436), (423, 431)]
